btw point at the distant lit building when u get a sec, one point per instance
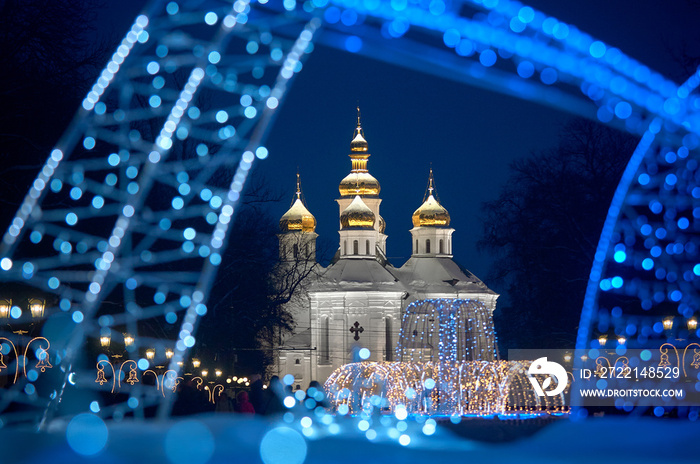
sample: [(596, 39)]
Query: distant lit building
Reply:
[(359, 300)]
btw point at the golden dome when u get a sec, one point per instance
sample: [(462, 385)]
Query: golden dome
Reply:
[(357, 215), (359, 181), (358, 142), (298, 218), (382, 224), (431, 213)]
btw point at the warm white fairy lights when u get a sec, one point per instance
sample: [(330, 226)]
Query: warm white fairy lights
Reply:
[(447, 366)]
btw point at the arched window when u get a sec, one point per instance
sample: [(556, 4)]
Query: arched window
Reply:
[(324, 342), (427, 246), (345, 247), (389, 349), (355, 247), (297, 361), (296, 251), (441, 247), (366, 247)]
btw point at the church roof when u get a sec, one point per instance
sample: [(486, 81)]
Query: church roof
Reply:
[(357, 275), (439, 275)]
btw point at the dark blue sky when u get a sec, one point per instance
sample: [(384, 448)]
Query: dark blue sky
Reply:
[(412, 119)]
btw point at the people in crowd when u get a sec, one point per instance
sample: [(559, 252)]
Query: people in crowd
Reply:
[(243, 405)]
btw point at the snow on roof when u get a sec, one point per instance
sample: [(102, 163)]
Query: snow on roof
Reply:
[(358, 274), (439, 275)]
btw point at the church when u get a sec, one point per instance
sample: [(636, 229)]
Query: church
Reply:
[(360, 299)]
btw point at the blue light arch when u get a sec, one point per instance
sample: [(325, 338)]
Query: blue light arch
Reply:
[(137, 197)]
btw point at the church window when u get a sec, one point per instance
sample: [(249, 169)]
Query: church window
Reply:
[(441, 247), (296, 251), (296, 361), (366, 247), (427, 246), (389, 349), (355, 247), (325, 342)]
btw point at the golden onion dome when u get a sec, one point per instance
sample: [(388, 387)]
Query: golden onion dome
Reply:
[(359, 183), (357, 215), (298, 218), (358, 142), (431, 213), (382, 224)]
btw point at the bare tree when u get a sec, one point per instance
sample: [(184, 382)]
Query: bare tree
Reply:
[(543, 230)]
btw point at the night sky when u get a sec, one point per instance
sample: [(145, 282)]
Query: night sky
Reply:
[(412, 119)]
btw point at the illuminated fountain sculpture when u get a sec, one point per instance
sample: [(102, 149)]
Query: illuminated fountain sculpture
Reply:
[(446, 365)]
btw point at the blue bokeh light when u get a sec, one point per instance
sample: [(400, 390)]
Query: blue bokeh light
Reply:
[(87, 434), (283, 445)]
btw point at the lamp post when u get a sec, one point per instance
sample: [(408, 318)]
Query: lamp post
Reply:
[(150, 354), (668, 323), (692, 324), (5, 306), (602, 340), (196, 363), (105, 340), (36, 307)]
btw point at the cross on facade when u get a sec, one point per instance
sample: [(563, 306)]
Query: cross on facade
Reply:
[(357, 330)]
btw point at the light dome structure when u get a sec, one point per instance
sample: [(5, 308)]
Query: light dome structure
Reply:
[(446, 366)]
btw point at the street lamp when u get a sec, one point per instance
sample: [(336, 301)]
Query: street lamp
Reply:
[(128, 340), (621, 340), (196, 363), (150, 353), (218, 372), (668, 323), (36, 307), (602, 340), (105, 341), (205, 373), (5, 306), (692, 323), (168, 353)]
